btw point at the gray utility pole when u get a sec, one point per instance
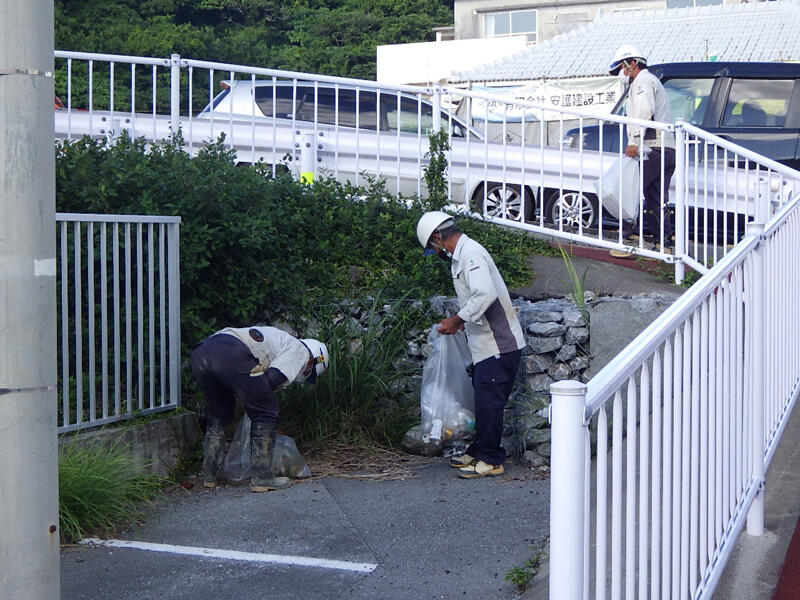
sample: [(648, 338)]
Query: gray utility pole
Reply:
[(29, 535)]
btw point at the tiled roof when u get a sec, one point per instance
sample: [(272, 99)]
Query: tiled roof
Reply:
[(764, 31)]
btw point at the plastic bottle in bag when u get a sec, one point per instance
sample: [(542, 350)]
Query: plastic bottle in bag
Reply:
[(436, 429)]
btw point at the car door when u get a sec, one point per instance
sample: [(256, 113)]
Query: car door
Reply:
[(761, 115)]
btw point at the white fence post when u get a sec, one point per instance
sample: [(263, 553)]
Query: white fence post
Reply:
[(174, 295), (308, 153), (755, 516), (437, 107), (680, 200), (175, 92), (567, 481)]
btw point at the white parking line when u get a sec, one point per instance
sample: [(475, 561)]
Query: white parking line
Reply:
[(301, 561)]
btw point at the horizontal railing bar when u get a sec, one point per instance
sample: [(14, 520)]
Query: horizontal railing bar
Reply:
[(119, 58), (97, 218), (115, 419), (203, 64)]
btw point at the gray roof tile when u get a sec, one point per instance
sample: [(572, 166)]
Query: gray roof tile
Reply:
[(764, 31)]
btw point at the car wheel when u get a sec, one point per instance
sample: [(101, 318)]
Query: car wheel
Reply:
[(571, 210), (503, 201)]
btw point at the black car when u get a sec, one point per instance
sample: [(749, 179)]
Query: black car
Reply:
[(754, 105)]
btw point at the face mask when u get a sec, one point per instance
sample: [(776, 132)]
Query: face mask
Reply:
[(444, 255), (440, 250)]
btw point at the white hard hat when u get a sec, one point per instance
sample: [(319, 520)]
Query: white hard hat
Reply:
[(319, 352), (431, 222), (625, 52)]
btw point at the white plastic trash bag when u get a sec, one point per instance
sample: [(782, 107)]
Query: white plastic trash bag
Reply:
[(286, 459), (621, 181), (447, 400)]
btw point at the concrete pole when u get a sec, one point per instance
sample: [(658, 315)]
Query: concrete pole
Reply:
[(29, 535)]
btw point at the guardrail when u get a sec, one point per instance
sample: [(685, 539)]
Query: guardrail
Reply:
[(118, 299), (350, 128), (660, 460)]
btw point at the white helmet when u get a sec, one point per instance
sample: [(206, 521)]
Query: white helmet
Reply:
[(319, 352), (625, 52), (431, 222)]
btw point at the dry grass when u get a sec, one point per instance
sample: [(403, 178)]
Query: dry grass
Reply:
[(367, 462)]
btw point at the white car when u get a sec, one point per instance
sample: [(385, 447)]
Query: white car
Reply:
[(330, 104)]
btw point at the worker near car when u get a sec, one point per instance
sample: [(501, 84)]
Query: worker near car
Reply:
[(251, 364), (494, 336), (648, 101)]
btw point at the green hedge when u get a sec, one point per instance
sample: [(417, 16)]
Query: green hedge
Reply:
[(253, 244)]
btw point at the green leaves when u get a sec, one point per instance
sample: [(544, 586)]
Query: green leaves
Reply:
[(335, 37)]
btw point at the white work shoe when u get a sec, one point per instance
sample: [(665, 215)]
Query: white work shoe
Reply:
[(480, 469), (462, 461)]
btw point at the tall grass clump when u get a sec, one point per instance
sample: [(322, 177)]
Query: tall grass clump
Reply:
[(362, 398), (100, 488), (576, 282)]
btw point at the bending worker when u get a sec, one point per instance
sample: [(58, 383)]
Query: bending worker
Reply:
[(251, 364), (493, 333), (648, 101)]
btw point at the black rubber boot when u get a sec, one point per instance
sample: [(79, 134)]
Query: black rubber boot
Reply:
[(213, 451), (262, 441)]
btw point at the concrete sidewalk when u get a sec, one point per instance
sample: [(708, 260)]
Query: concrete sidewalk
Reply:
[(431, 536)]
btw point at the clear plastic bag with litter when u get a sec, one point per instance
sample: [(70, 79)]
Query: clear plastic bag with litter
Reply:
[(286, 459), (447, 400)]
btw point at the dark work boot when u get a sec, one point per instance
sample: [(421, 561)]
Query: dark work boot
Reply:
[(262, 441), (213, 450)]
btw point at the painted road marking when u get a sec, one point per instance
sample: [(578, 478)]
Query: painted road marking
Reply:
[(282, 559)]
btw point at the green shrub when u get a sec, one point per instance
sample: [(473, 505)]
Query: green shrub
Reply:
[(252, 244), (100, 488)]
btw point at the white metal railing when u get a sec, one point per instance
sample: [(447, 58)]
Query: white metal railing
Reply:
[(118, 310), (349, 128), (660, 460)]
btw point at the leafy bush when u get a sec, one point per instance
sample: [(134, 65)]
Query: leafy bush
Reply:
[(99, 488), (252, 244)]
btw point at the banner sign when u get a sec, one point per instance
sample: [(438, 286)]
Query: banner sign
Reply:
[(597, 96)]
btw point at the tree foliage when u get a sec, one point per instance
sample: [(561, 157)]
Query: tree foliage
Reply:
[(333, 37)]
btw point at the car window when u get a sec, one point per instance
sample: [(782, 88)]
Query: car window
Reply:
[(688, 98), (325, 104), (757, 103), (412, 114), (283, 105)]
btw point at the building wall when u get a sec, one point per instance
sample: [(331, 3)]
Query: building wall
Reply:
[(553, 18)]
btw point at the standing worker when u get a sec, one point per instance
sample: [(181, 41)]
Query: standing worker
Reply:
[(648, 101), (493, 332), (251, 364)]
